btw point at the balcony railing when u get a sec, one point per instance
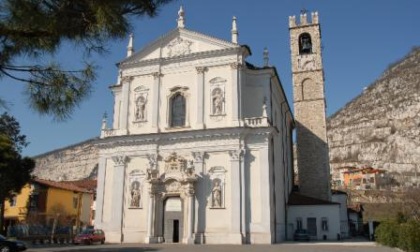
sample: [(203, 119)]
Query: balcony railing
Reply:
[(257, 122), (112, 132)]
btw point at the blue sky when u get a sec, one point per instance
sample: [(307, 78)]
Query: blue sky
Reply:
[(360, 39)]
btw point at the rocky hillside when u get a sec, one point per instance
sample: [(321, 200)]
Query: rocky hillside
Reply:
[(381, 127), (74, 162)]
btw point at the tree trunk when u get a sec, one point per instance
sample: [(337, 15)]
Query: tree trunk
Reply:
[(2, 229)]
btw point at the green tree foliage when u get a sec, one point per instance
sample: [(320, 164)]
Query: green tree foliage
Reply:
[(11, 128), (35, 29), (15, 170), (409, 238), (387, 233), (403, 233)]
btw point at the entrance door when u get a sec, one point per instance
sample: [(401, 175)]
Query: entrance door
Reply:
[(175, 236), (173, 220), (312, 227)]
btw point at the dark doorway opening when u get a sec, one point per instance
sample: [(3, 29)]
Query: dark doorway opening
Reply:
[(175, 236), (173, 220), (312, 229)]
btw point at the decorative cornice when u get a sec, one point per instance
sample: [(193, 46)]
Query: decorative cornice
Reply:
[(180, 58), (182, 136)]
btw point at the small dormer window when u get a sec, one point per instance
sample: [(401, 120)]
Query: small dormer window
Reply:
[(178, 110), (305, 43)]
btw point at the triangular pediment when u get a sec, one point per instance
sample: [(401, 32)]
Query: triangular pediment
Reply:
[(179, 42)]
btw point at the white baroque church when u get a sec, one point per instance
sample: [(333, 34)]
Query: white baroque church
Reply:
[(200, 148)]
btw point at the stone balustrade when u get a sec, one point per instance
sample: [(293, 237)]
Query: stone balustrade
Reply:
[(257, 122)]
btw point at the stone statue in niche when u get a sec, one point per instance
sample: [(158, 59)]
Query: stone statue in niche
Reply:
[(218, 99), (141, 108), (216, 194), (135, 194)]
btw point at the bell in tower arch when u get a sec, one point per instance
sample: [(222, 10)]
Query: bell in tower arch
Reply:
[(305, 44)]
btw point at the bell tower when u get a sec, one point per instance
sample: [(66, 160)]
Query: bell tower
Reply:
[(309, 107)]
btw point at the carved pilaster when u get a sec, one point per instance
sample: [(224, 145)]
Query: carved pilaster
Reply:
[(200, 97), (201, 70), (152, 175), (235, 155), (118, 192), (152, 160), (189, 189), (157, 75), (236, 65), (120, 160), (198, 156), (155, 100), (236, 106), (189, 171), (125, 79), (123, 112), (154, 187)]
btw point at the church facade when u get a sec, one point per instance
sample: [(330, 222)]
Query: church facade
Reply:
[(200, 148)]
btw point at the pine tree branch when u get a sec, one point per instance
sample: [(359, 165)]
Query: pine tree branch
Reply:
[(14, 77)]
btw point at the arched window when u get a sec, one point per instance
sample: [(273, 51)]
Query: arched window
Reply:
[(177, 110), (305, 43)]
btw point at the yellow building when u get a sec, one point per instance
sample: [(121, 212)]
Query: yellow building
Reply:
[(43, 202), (16, 209)]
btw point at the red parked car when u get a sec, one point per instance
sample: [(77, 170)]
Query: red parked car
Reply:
[(90, 236)]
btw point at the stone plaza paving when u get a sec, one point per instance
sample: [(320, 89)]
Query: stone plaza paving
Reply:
[(284, 247)]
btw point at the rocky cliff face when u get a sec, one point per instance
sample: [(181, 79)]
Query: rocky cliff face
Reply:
[(74, 162), (381, 127)]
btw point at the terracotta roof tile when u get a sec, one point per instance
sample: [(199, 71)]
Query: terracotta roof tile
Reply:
[(88, 184), (60, 185)]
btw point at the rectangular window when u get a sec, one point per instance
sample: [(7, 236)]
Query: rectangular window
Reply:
[(75, 202), (33, 202), (13, 201), (299, 225), (324, 224)]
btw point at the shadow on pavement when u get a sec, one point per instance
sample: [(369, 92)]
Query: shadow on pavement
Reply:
[(93, 249), (116, 250)]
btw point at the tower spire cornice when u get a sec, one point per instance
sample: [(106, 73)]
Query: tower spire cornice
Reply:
[(130, 48), (181, 19), (234, 31)]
